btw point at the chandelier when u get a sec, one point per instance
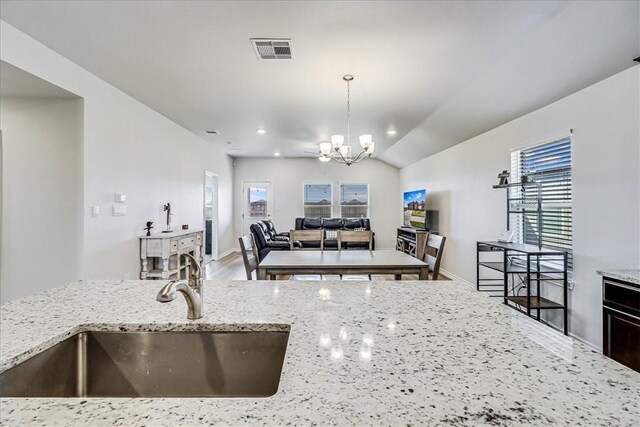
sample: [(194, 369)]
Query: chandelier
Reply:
[(337, 149)]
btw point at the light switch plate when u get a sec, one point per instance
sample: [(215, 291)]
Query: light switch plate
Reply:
[(119, 210), (120, 198), (95, 211)]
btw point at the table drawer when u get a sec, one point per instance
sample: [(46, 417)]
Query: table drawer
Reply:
[(173, 246), (186, 242)]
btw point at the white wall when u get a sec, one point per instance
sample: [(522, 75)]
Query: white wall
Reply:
[(131, 149), (606, 187), (42, 179), (288, 176)]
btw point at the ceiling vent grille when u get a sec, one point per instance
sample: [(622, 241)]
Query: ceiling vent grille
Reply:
[(272, 48)]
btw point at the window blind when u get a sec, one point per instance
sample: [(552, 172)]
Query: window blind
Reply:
[(550, 165), (317, 200), (354, 200)]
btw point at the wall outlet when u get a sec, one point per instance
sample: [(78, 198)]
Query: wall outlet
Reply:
[(119, 210)]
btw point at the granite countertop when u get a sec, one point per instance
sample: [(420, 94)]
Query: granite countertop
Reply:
[(443, 354), (631, 276)]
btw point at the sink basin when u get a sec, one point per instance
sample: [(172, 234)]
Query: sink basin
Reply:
[(153, 364)]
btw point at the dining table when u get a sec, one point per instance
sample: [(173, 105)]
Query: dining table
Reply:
[(344, 262)]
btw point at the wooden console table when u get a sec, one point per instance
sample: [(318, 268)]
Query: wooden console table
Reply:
[(160, 254), (411, 241)]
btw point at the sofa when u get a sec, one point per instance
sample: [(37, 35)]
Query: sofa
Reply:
[(331, 227), (267, 239)]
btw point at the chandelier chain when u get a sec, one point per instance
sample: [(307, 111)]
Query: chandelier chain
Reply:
[(348, 112)]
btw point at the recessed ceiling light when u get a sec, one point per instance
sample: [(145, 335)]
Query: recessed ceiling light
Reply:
[(261, 131), (391, 132), (276, 154)]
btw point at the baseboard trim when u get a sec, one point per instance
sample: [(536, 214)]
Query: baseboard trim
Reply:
[(226, 253), (456, 278)]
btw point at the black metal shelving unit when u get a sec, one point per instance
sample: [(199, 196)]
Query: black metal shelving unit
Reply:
[(523, 268), (531, 266)]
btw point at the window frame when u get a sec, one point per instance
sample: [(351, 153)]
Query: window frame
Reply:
[(304, 204), (342, 184)]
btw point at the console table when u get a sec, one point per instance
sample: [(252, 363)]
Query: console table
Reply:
[(533, 266), (160, 254), (411, 241)]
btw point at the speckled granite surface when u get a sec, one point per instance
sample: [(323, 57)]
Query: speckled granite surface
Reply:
[(631, 276), (442, 354)]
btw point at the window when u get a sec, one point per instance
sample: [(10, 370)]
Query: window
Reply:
[(354, 200), (317, 200), (550, 165)]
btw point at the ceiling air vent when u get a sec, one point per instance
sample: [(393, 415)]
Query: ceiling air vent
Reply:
[(272, 48)]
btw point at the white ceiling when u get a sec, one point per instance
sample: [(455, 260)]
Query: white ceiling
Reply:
[(437, 72), (15, 82)]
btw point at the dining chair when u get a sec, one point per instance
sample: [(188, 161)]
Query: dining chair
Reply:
[(348, 236), (249, 254), (432, 253), (352, 236), (297, 238), (301, 236)]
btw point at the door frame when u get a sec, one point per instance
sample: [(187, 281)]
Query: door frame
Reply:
[(244, 200), (214, 219)]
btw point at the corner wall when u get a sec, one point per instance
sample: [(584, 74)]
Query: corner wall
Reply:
[(42, 194), (605, 119), (287, 177), (131, 149)]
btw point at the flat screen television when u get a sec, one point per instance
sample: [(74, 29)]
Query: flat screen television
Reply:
[(414, 209)]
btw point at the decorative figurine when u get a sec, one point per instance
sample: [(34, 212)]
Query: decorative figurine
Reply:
[(504, 177), (149, 227), (167, 209)]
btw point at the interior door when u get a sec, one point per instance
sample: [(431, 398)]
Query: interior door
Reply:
[(210, 216), (257, 203)]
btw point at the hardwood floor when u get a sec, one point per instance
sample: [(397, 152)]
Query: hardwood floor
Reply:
[(231, 268)]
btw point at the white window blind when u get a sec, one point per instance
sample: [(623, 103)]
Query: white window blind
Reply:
[(550, 165), (317, 200), (354, 200)]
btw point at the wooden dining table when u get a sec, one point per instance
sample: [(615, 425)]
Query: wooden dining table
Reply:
[(340, 262)]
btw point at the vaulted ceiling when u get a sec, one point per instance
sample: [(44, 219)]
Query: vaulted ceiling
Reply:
[(437, 73)]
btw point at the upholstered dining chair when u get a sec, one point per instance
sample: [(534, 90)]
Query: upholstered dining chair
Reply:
[(432, 253), (249, 254)]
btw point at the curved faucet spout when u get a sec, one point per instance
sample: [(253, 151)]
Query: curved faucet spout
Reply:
[(194, 301)]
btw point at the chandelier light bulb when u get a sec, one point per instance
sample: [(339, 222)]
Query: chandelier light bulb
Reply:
[(366, 141), (325, 148), (370, 149), (337, 141), (324, 158)]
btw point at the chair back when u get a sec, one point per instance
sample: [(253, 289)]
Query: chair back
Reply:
[(306, 236), (345, 236), (249, 254), (432, 253)]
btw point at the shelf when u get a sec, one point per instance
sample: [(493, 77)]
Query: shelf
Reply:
[(517, 184), (536, 302), (519, 269)]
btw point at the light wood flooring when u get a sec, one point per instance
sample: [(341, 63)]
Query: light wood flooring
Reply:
[(231, 268)]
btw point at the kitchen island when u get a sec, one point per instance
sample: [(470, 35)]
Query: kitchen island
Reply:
[(435, 353)]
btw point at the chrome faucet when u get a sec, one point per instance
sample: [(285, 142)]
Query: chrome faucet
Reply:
[(192, 289)]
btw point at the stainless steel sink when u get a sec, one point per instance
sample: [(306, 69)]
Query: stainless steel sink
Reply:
[(153, 364)]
